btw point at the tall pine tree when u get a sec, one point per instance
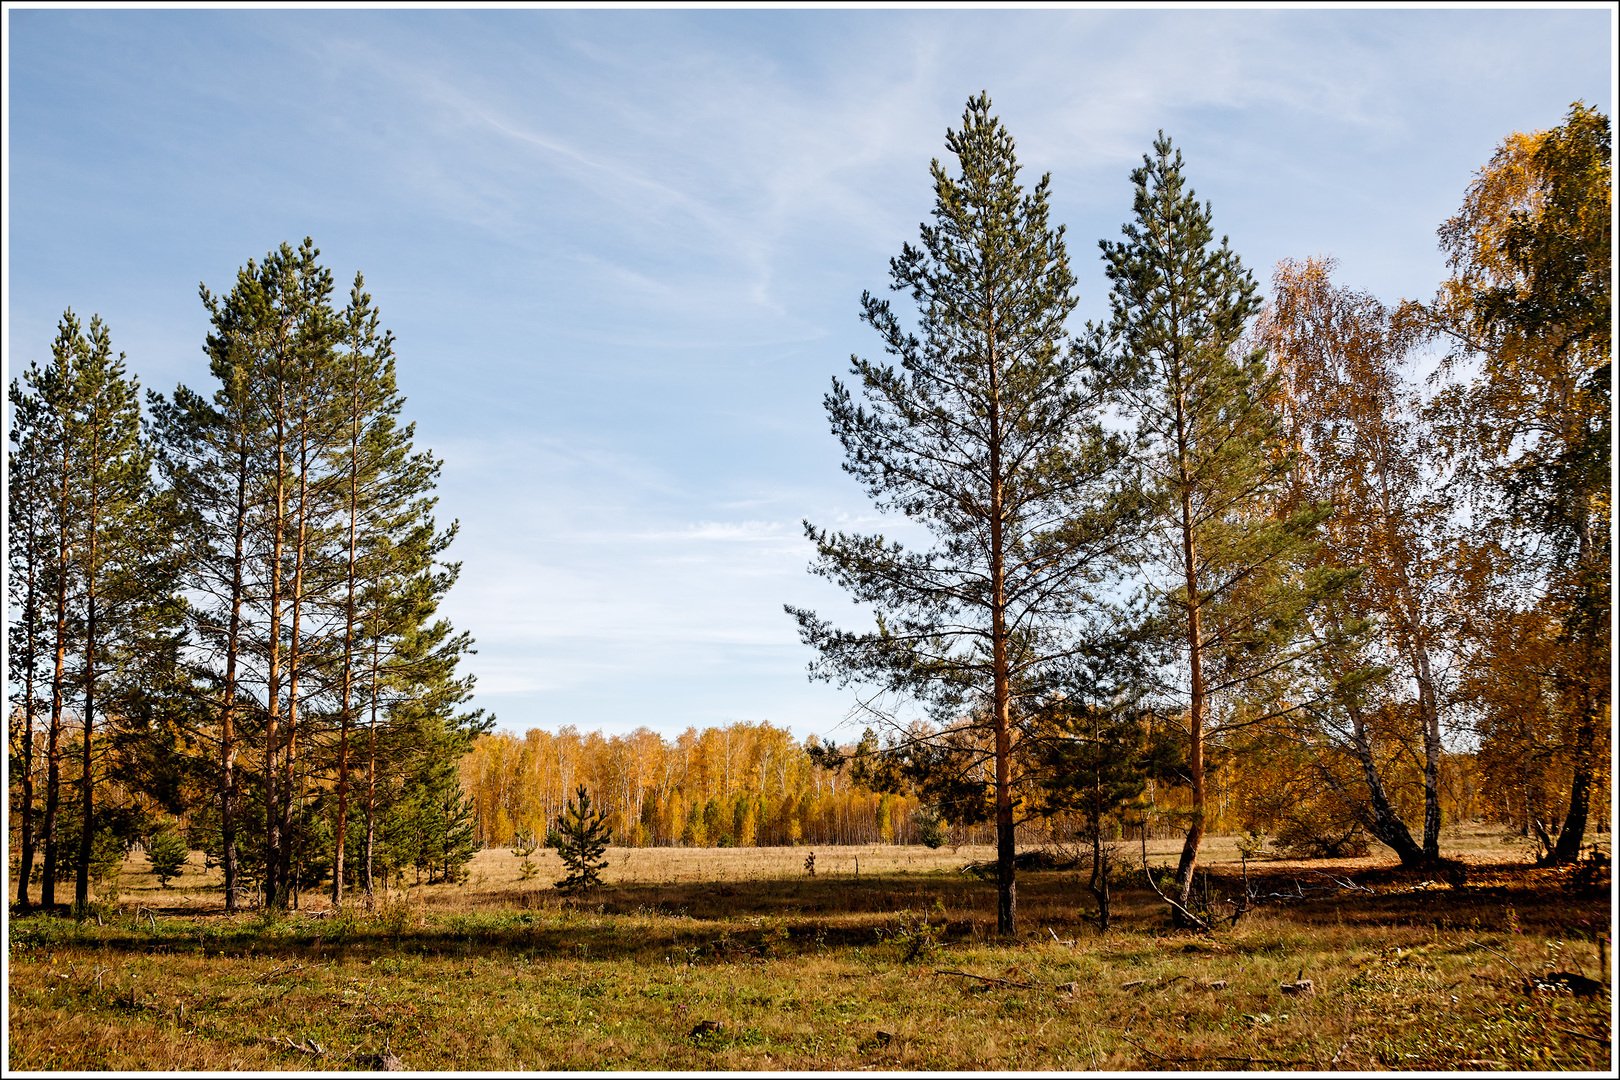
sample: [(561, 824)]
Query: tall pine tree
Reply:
[(29, 522), (1221, 557), (210, 455), (986, 434), (124, 568)]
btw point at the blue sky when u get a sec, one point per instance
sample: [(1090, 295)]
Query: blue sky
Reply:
[(622, 250)]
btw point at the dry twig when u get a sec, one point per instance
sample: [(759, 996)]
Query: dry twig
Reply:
[(1212, 1057), (988, 979)]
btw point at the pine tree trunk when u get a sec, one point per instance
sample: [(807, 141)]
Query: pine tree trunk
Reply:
[(371, 780), (81, 880), (274, 893), (227, 712), (1197, 703), (346, 697), (53, 797), (53, 744), (294, 661), (25, 860), (1001, 689)]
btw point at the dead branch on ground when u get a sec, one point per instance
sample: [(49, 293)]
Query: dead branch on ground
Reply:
[(989, 979)]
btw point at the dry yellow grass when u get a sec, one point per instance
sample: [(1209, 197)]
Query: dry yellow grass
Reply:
[(494, 875), (829, 973)]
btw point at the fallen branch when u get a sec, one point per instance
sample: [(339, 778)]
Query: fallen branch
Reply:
[(1172, 980), (1502, 954), (989, 979), (1579, 1034), (276, 973), (1346, 884), (307, 1046), (1147, 872)]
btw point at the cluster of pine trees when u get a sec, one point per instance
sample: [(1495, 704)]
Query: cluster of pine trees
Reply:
[(229, 611), (1209, 529)]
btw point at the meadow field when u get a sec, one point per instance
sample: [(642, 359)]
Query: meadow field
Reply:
[(738, 959)]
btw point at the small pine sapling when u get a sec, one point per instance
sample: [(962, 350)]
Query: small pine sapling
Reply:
[(168, 854), (524, 845), (582, 840), (930, 828)]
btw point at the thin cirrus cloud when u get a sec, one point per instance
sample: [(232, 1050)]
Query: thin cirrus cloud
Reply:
[(623, 250)]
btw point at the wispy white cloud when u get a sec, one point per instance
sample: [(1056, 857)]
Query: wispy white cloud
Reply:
[(622, 249)]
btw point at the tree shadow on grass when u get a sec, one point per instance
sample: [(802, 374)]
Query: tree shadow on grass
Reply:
[(748, 921)]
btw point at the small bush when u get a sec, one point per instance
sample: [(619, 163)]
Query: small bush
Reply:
[(913, 938)]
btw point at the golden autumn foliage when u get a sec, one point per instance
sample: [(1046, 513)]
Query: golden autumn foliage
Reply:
[(1527, 311), (740, 785), (1354, 417)]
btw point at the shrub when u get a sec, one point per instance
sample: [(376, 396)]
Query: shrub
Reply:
[(930, 827)]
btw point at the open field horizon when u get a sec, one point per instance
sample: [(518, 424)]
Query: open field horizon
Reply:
[(494, 874)]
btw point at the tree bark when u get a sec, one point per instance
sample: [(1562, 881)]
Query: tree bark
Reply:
[(1001, 690), (227, 712), (274, 892), (1196, 703), (1384, 823), (25, 860), (53, 744), (81, 880)]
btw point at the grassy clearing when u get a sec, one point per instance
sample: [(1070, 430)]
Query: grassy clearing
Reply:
[(758, 966)]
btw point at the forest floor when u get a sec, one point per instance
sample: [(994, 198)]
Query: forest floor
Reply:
[(738, 959)]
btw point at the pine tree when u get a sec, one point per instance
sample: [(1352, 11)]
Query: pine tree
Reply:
[(582, 841), (28, 594), (1097, 764), (127, 601), (275, 332), (53, 419), (408, 686), (1221, 555), (369, 463), (167, 853), (987, 435), (209, 453), (95, 591)]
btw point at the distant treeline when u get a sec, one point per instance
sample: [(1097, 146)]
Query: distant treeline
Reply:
[(741, 785), (754, 785)]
